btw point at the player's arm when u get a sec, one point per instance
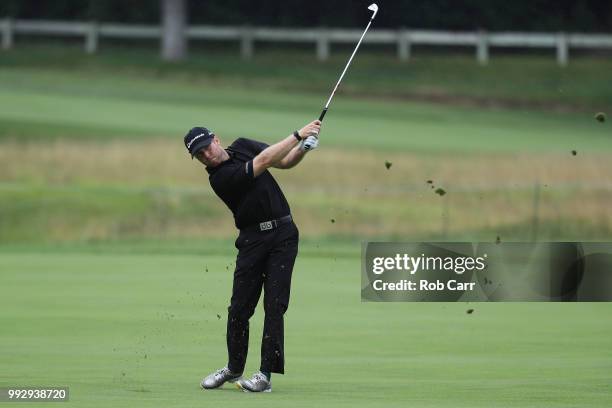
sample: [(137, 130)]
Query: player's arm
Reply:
[(292, 158), (297, 153), (273, 155)]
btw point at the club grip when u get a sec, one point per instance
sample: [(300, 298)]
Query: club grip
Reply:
[(323, 114)]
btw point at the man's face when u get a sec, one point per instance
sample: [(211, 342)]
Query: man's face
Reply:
[(213, 155)]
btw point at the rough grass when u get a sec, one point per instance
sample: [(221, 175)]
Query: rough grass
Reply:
[(91, 148), (99, 190)]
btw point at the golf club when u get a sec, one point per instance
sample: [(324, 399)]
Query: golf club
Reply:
[(374, 8)]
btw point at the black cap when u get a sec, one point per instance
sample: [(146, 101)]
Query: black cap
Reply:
[(198, 138)]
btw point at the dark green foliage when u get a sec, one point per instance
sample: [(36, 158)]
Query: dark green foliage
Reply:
[(530, 15)]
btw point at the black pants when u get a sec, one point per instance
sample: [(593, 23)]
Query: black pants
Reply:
[(265, 259)]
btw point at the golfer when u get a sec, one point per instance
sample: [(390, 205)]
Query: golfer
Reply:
[(267, 244)]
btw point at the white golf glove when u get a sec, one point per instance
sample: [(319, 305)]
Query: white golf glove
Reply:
[(310, 143)]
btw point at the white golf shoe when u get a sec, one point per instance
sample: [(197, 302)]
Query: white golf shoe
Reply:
[(258, 383), (218, 378)]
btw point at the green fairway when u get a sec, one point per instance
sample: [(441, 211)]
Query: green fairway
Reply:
[(56, 104), (135, 329), (509, 80)]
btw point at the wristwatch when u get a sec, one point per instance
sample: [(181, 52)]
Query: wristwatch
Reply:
[(296, 134)]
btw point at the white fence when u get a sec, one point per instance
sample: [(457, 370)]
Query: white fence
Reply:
[(322, 38)]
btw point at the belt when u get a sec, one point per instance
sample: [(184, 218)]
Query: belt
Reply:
[(268, 225)]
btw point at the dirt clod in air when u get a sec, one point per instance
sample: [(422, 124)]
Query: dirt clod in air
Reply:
[(429, 181), (469, 311), (219, 316), (388, 164), (498, 240), (332, 221), (574, 152), (440, 191), (600, 117)]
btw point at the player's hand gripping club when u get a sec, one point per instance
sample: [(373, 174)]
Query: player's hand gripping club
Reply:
[(311, 129), (310, 143), (310, 136)]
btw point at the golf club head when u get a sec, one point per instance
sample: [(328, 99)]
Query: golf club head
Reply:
[(374, 8)]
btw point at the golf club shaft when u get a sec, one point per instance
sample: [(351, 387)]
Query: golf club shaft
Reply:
[(344, 71)]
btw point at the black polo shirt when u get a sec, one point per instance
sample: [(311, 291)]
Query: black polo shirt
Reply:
[(251, 199)]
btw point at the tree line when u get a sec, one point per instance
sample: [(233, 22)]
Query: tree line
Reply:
[(524, 15)]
